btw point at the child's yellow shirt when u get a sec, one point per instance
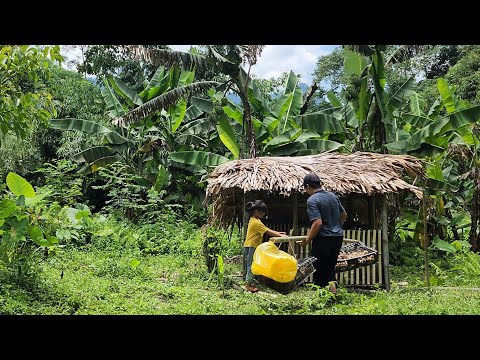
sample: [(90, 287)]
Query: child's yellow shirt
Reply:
[(255, 232)]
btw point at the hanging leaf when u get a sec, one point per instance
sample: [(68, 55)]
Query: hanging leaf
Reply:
[(163, 178), (177, 114), (115, 109), (92, 154), (353, 63), (156, 78), (333, 99), (416, 103), (235, 112), (443, 245), (320, 122), (85, 126), (7, 208), (448, 98), (288, 149), (203, 104), (199, 158), (37, 236), (227, 135), (126, 92), (282, 139), (317, 146)]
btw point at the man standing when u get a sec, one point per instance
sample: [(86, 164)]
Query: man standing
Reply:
[(326, 215)]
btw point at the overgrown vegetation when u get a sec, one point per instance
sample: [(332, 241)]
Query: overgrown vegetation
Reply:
[(126, 269), (103, 180)]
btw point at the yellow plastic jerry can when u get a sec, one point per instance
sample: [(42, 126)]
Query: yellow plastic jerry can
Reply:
[(271, 262)]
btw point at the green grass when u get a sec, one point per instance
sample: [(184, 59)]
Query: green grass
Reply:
[(134, 271), (99, 282)]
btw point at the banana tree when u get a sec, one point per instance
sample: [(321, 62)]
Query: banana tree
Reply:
[(278, 129), (369, 105), (145, 144), (284, 130), (446, 138), (225, 59)]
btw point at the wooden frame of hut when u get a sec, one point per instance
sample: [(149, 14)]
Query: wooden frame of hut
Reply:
[(362, 180)]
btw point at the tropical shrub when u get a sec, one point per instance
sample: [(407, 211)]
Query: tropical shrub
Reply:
[(22, 226)]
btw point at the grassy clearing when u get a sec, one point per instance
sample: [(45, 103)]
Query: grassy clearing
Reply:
[(131, 270), (102, 283)]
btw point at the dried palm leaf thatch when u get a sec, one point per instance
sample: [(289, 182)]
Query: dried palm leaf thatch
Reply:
[(361, 172)]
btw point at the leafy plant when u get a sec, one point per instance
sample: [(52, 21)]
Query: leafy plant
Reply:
[(22, 233), (65, 186), (77, 230), (217, 241), (22, 101)]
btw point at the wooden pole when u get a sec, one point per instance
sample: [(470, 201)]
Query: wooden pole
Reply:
[(425, 239), (294, 231), (245, 216), (244, 229), (295, 216), (385, 257), (372, 211)]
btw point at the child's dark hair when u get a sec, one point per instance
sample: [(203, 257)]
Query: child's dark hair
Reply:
[(256, 205)]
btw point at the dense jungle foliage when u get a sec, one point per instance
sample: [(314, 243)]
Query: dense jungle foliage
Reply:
[(103, 173)]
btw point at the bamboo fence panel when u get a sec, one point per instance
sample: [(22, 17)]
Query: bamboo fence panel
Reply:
[(367, 276)]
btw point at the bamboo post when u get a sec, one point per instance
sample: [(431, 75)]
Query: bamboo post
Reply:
[(295, 215), (244, 229), (385, 257), (372, 212), (425, 239), (294, 231)]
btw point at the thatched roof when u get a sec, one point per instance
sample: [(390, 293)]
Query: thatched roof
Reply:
[(361, 172)]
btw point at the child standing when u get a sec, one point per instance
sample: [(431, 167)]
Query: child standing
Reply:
[(257, 210)]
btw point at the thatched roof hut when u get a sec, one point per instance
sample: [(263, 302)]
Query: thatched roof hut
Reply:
[(361, 173), (361, 180)]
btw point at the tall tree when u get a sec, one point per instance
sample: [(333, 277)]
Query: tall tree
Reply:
[(23, 99), (115, 60)]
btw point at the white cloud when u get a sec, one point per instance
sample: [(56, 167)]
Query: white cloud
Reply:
[(276, 59), (180, 47), (71, 54)]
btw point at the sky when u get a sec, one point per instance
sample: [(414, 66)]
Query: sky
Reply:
[(274, 60)]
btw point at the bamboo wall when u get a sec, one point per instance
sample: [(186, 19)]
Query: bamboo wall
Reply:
[(367, 277)]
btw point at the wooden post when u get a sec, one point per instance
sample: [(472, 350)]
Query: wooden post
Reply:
[(372, 211), (245, 216), (295, 216), (425, 239), (244, 229), (294, 231), (385, 257)]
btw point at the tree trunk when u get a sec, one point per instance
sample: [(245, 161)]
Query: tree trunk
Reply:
[(374, 119), (309, 95), (378, 128), (393, 210), (474, 212), (456, 235), (247, 122)]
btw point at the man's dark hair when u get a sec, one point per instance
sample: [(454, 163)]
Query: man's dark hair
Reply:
[(312, 179)]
